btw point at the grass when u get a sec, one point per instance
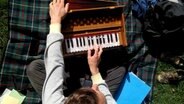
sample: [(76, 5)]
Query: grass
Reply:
[(163, 93), (3, 27), (168, 93)]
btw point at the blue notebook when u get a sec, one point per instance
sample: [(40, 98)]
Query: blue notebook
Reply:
[(132, 90)]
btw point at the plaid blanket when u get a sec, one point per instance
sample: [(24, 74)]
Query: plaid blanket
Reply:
[(28, 27)]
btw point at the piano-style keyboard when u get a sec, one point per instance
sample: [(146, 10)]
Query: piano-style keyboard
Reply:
[(85, 27), (78, 44)]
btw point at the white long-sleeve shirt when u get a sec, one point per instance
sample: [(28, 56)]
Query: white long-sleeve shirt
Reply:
[(52, 92)]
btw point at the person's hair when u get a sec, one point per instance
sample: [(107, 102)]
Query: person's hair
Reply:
[(82, 96)]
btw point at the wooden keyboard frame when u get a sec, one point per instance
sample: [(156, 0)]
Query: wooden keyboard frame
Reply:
[(69, 30)]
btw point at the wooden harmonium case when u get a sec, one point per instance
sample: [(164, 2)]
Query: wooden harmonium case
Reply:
[(85, 27)]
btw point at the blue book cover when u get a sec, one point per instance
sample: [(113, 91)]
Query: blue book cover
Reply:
[(132, 90)]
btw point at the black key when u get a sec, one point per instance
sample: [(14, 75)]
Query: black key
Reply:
[(89, 43), (97, 39), (84, 41), (77, 41), (92, 41), (68, 42), (80, 42), (108, 39), (71, 43), (116, 37), (111, 38), (103, 39)]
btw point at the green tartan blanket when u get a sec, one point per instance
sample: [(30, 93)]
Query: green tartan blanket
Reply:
[(28, 27)]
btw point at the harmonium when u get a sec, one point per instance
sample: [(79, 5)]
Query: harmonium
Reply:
[(91, 22)]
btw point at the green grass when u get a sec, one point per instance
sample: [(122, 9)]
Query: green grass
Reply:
[(3, 27), (168, 93), (163, 93)]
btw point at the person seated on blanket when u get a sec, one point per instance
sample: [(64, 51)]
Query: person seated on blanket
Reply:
[(52, 92), (77, 73)]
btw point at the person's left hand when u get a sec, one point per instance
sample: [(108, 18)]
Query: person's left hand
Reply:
[(58, 10)]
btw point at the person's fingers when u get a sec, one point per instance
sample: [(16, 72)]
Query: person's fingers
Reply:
[(89, 52), (100, 51), (51, 3), (58, 1), (66, 7), (54, 1), (96, 49), (62, 3)]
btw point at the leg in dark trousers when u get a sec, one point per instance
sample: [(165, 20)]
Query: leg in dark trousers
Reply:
[(36, 74), (114, 78), (111, 68)]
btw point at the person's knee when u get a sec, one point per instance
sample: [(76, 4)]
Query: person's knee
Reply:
[(34, 67), (36, 74)]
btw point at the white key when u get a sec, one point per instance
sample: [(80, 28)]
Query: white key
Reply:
[(118, 42), (94, 39), (77, 44), (74, 45), (101, 40), (91, 44), (86, 43), (70, 45), (97, 40), (106, 40), (114, 39), (80, 44), (109, 40)]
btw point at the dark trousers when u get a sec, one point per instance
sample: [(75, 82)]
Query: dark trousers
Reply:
[(110, 68)]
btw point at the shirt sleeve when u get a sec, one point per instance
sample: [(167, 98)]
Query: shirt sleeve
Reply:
[(52, 92), (102, 86), (55, 28)]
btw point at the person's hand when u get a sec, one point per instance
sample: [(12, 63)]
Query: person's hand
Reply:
[(58, 10), (94, 59)]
